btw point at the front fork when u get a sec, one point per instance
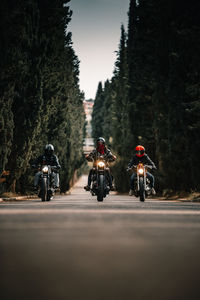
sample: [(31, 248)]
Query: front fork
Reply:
[(138, 181), (100, 172), (48, 178)]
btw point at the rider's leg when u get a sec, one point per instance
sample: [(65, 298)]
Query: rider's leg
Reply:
[(109, 177), (87, 187), (36, 179), (151, 178), (132, 179), (56, 180), (90, 177)]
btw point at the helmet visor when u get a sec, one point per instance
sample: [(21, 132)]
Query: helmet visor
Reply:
[(139, 153)]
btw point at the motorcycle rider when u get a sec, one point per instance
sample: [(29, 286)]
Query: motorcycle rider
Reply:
[(101, 150), (141, 157), (48, 158)]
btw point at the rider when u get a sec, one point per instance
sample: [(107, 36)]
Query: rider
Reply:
[(141, 157), (101, 150), (48, 158)]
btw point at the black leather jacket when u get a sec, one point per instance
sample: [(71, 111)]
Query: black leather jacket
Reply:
[(145, 160), (51, 160), (94, 155)]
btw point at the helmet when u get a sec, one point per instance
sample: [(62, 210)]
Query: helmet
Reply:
[(139, 151), (101, 141), (49, 149)]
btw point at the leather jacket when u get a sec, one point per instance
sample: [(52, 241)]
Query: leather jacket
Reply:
[(144, 160), (51, 160), (94, 156)]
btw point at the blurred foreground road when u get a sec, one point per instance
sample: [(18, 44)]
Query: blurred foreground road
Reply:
[(76, 248)]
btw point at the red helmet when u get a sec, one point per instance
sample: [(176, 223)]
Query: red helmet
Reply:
[(139, 151)]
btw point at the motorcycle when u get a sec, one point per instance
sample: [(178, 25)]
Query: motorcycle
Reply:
[(142, 187), (46, 183), (100, 186)]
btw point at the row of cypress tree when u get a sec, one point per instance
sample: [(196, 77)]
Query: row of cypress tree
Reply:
[(153, 98), (40, 99)]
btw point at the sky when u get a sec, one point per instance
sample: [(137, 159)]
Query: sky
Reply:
[(96, 31)]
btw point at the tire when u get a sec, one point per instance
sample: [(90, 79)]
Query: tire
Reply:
[(141, 191), (101, 188), (44, 189), (50, 193)]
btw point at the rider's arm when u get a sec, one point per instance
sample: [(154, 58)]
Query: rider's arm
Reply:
[(109, 156), (37, 161), (132, 163), (150, 163), (57, 162), (90, 156)]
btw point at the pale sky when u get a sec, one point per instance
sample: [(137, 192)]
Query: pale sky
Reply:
[(96, 32)]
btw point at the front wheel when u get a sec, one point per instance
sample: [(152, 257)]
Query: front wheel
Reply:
[(141, 191), (101, 188), (44, 189)]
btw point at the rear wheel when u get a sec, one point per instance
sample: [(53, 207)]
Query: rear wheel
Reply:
[(101, 188), (142, 191)]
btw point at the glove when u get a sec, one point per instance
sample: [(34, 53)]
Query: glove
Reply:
[(88, 157), (149, 166), (55, 169), (128, 169)]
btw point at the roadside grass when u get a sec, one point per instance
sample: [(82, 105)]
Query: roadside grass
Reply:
[(181, 195)]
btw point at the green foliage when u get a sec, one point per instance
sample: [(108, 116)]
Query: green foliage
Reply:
[(154, 92), (44, 103), (97, 114)]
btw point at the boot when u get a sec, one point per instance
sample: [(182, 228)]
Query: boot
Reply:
[(131, 192), (87, 188)]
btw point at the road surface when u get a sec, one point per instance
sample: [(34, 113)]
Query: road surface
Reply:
[(76, 248)]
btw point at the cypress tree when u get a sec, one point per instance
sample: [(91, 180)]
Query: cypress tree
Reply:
[(6, 83), (120, 106), (163, 90), (42, 89), (27, 90), (108, 112), (97, 114)]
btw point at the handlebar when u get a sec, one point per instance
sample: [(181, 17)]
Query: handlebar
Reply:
[(40, 166), (135, 166)]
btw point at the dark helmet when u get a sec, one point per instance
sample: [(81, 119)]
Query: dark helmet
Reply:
[(49, 149), (101, 141), (139, 151)]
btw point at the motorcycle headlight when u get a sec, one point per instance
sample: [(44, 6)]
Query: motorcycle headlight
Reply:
[(101, 164), (141, 171), (45, 169)]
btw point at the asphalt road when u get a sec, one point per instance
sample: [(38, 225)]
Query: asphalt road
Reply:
[(76, 248)]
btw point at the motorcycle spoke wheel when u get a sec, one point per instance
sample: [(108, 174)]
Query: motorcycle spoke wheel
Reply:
[(101, 189), (142, 191), (44, 189)]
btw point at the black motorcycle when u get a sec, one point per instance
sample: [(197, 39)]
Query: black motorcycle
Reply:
[(100, 185), (142, 187), (46, 183)]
